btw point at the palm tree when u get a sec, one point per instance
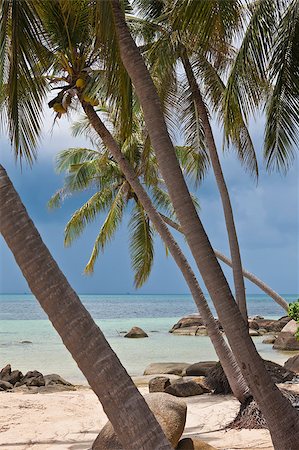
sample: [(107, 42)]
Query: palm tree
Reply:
[(22, 50), (174, 41), (270, 47), (283, 426)]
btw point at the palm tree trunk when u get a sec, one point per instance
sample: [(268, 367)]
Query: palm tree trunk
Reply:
[(250, 276), (281, 417), (225, 355), (225, 199), (132, 420)]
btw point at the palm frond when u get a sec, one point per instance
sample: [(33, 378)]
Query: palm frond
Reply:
[(87, 214), (141, 245), (282, 127), (23, 61), (109, 227)]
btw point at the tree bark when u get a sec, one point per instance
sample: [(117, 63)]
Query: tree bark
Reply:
[(282, 418), (250, 276), (222, 188), (133, 422), (225, 355)]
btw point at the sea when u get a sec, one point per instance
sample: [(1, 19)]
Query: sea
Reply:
[(22, 319)]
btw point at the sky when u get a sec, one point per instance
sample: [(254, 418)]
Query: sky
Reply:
[(266, 216)]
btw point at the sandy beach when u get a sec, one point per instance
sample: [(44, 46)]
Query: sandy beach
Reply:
[(71, 420)]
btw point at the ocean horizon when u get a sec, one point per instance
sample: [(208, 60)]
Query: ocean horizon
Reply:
[(22, 319)]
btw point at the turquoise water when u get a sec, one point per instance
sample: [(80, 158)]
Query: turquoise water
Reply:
[(21, 318)]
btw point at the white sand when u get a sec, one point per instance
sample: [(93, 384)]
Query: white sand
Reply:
[(71, 421)]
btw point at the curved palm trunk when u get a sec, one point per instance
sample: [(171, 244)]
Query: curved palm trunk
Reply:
[(132, 420), (282, 418), (250, 276), (226, 357), (225, 199)]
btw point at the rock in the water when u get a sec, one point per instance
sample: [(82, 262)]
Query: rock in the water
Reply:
[(5, 385), (182, 388), (166, 368), (169, 411), (5, 371), (192, 321), (25, 342), (194, 444), (136, 332), (286, 341), (200, 368), (158, 384), (54, 379), (269, 340), (292, 364), (191, 331)]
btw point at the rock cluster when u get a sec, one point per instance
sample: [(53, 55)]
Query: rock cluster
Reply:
[(193, 325), (14, 379), (281, 332)]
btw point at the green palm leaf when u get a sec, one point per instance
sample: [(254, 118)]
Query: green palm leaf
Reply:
[(282, 128), (110, 225), (141, 245)]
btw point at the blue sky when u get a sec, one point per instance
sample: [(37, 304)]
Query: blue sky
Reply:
[(267, 220)]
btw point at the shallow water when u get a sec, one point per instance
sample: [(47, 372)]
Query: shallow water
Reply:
[(21, 318)]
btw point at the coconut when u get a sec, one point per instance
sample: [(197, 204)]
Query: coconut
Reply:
[(80, 83), (59, 108)]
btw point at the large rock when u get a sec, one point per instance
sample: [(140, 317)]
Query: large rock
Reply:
[(286, 341), (193, 320), (292, 364), (169, 411), (182, 388), (136, 332), (290, 327), (158, 384), (166, 368), (194, 444), (200, 368)]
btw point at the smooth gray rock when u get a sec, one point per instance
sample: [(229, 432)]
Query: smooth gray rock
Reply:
[(182, 388), (136, 332), (269, 340)]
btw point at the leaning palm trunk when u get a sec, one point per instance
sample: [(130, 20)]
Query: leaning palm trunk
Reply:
[(225, 199), (132, 420), (226, 357), (250, 276), (281, 417)]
